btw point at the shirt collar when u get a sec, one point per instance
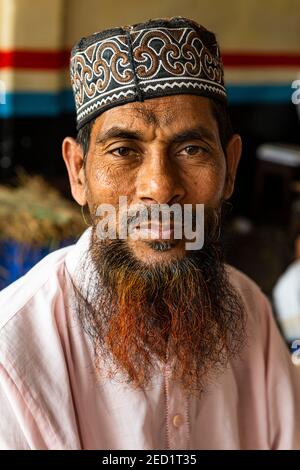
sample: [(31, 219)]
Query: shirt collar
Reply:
[(78, 253)]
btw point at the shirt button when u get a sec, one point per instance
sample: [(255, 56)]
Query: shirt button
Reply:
[(177, 421)]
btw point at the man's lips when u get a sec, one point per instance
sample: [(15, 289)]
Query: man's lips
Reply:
[(155, 231)]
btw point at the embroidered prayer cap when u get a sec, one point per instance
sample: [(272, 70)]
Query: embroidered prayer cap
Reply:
[(146, 60)]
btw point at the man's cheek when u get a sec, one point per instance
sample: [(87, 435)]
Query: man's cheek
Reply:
[(108, 180), (102, 187), (208, 190), (104, 179)]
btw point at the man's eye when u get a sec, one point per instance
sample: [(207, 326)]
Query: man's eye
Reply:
[(122, 151), (194, 150)]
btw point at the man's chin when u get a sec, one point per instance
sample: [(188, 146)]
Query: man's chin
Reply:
[(160, 250)]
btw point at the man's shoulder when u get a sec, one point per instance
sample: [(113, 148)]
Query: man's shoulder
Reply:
[(241, 281), (254, 299), (39, 281)]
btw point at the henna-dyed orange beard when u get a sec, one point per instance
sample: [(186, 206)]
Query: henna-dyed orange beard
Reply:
[(184, 311)]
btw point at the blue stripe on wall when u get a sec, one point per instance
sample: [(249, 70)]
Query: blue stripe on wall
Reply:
[(37, 104), (51, 104), (260, 93)]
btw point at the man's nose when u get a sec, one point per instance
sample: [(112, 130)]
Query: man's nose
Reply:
[(158, 182)]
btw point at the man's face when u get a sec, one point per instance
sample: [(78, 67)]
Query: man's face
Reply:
[(142, 303), (162, 151)]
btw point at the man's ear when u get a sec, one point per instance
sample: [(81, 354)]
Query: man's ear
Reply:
[(233, 155), (73, 157)]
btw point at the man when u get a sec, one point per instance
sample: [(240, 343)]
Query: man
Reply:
[(136, 341)]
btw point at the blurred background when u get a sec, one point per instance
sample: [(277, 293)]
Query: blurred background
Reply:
[(260, 45)]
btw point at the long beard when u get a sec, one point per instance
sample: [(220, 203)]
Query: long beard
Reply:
[(184, 313)]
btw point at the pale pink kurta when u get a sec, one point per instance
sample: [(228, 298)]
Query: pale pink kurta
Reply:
[(50, 399)]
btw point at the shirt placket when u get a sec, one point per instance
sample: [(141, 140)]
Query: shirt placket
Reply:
[(177, 415)]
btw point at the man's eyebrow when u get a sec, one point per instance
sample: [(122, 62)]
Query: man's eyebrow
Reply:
[(115, 132), (198, 133), (120, 133)]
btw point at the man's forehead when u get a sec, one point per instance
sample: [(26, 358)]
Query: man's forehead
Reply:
[(160, 112)]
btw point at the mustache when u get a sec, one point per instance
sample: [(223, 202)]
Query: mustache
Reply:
[(157, 216)]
